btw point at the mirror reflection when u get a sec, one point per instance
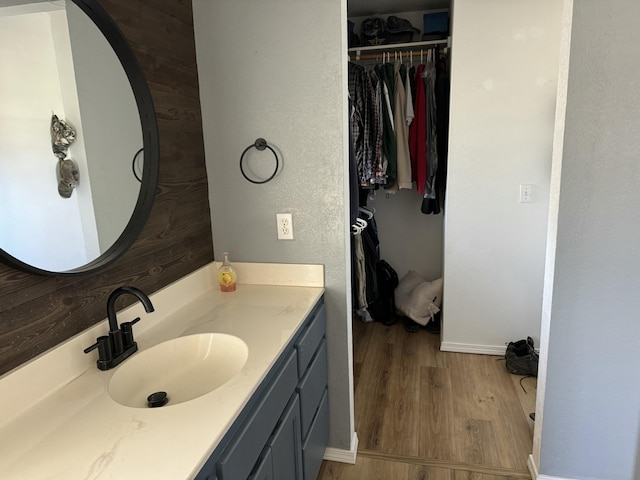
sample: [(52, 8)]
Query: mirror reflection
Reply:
[(54, 60)]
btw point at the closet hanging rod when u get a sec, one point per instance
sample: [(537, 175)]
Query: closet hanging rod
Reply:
[(397, 46), (378, 56)]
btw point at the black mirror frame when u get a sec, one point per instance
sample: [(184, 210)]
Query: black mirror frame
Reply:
[(151, 168)]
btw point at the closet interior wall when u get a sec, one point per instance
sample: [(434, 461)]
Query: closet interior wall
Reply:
[(409, 239)]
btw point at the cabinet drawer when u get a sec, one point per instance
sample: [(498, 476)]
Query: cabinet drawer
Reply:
[(264, 468), (309, 340), (240, 456), (312, 386), (316, 443), (286, 444)]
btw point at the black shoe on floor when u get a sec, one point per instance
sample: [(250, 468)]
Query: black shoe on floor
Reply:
[(411, 326), (391, 320), (434, 325)]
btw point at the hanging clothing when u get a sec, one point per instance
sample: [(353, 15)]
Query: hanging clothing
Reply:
[(400, 128), (442, 97), (409, 98), (418, 134), (359, 272), (412, 81), (385, 72), (358, 120), (403, 157), (375, 98), (365, 248), (353, 176), (366, 122), (432, 151)]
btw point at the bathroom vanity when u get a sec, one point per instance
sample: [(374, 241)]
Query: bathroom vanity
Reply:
[(61, 420), (283, 431)]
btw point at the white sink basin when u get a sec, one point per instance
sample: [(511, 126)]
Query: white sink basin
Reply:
[(185, 368)]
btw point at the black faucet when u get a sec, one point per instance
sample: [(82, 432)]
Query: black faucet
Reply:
[(119, 345)]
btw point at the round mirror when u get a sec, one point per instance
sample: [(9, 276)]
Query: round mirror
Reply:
[(78, 138)]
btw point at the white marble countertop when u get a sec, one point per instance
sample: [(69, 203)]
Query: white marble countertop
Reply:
[(58, 421)]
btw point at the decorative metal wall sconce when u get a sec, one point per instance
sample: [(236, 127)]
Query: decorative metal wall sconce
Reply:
[(62, 136)]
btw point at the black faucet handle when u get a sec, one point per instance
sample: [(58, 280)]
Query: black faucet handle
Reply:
[(127, 333), (105, 354)]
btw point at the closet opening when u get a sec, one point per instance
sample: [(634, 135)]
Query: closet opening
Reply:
[(399, 115), (417, 408)]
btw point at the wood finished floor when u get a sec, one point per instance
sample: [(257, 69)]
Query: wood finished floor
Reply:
[(425, 414)]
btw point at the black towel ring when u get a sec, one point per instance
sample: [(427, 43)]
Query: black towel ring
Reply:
[(259, 144), (135, 167)]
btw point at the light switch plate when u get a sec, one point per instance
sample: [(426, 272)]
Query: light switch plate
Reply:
[(526, 193)]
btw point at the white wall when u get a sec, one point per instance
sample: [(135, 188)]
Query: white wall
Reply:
[(409, 239), (39, 224), (552, 230), (277, 70), (591, 417), (82, 194), (106, 104), (503, 90)]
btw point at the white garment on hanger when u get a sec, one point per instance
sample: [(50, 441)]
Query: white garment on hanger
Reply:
[(388, 102), (410, 114), (403, 157)]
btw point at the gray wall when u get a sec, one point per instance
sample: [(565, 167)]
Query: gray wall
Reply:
[(592, 401), (277, 70)]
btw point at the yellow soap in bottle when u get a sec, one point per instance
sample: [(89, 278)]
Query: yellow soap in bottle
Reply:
[(227, 275)]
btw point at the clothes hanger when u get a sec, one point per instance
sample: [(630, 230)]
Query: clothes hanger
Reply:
[(368, 212), (359, 226)]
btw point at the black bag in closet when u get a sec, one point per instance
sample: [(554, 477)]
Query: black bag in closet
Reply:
[(383, 308)]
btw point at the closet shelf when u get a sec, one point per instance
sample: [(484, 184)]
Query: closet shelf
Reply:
[(399, 46)]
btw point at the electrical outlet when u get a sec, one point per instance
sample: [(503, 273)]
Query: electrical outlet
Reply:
[(285, 226)]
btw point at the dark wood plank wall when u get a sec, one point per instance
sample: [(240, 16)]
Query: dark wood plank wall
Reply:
[(37, 313)]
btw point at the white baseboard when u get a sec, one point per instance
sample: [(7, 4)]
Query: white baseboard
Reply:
[(547, 477), (533, 469), (343, 456), (472, 348)]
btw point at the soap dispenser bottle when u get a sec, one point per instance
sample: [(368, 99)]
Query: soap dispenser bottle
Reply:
[(227, 275)]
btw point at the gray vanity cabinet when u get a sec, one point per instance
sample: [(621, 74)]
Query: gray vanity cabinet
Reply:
[(283, 431), (281, 457), (312, 388), (264, 467), (286, 443)]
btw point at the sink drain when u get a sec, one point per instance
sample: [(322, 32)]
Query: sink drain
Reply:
[(157, 399)]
